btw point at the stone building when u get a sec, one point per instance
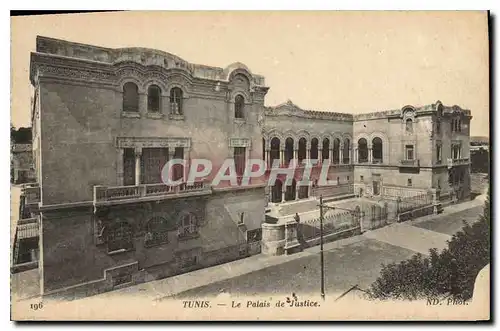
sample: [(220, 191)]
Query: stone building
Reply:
[(105, 121), (404, 151), (290, 132), (21, 163)]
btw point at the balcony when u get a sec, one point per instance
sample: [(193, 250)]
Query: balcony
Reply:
[(457, 162), (409, 163), (104, 195), (31, 192)]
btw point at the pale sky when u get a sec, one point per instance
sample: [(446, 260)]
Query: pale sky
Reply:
[(352, 62)]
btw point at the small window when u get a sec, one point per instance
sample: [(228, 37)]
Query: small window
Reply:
[(154, 98), (409, 182), (130, 97), (188, 226), (438, 153), (188, 262), (409, 152), (438, 127), (120, 237), (239, 105), (156, 232), (348, 178), (338, 180), (176, 101), (409, 125), (362, 179)]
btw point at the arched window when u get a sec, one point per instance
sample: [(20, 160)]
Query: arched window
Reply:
[(239, 105), (302, 152), (377, 150), (362, 150), (275, 150), (409, 125), (188, 226), (326, 149), (176, 101), (120, 237), (314, 148), (154, 98), (130, 97), (157, 231)]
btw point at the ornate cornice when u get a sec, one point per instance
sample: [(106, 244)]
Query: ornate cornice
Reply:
[(74, 54), (432, 109), (289, 109)]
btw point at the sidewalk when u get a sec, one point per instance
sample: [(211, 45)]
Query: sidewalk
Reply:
[(402, 235)]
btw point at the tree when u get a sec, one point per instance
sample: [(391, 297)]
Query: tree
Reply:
[(450, 273)]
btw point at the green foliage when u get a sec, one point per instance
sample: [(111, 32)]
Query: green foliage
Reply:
[(449, 273)]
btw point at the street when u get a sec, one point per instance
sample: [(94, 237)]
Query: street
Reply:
[(357, 263)]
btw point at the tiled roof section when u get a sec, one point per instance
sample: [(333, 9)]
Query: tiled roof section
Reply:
[(290, 109)]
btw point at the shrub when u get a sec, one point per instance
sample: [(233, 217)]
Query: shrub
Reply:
[(449, 273)]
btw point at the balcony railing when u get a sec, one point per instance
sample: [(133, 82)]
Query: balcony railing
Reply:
[(31, 192), (457, 162), (377, 161), (409, 163), (123, 193)]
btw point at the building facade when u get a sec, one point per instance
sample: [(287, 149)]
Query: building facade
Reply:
[(22, 170), (105, 121)]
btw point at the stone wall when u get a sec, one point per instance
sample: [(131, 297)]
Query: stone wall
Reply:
[(74, 256)]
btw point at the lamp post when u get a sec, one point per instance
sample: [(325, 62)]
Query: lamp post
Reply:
[(321, 247), (321, 206)]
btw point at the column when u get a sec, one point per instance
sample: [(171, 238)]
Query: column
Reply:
[(247, 157), (187, 159), (309, 190), (341, 154), (143, 103), (297, 192), (296, 155), (308, 155), (268, 159), (320, 155), (350, 155), (171, 155), (355, 155), (370, 156), (282, 156), (283, 191), (119, 167), (138, 152)]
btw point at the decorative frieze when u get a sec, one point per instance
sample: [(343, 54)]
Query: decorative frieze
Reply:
[(240, 142), (153, 142)]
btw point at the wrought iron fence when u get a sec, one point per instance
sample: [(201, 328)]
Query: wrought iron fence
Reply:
[(333, 223)]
